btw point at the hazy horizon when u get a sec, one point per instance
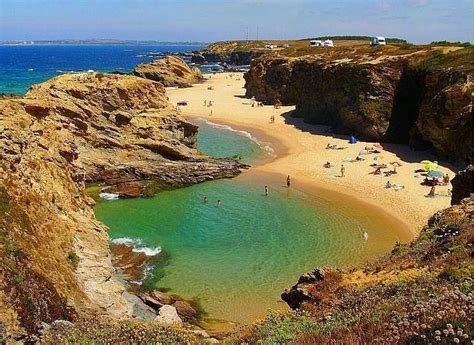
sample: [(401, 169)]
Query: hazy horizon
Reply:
[(417, 21)]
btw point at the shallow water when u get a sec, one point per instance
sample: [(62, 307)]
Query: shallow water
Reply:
[(235, 260)]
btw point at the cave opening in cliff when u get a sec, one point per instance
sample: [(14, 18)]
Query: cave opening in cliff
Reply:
[(409, 94)]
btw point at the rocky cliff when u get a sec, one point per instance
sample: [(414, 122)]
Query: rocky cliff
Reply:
[(75, 129), (423, 99), (170, 71)]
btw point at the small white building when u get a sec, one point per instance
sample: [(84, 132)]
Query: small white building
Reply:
[(378, 41), (328, 43), (315, 43)]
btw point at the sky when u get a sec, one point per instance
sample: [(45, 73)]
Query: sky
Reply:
[(418, 21)]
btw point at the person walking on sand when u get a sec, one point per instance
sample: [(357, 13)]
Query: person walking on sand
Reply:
[(288, 181), (343, 170), (218, 203), (210, 114), (205, 103), (266, 191)]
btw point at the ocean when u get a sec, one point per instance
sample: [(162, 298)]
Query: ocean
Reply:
[(24, 65)]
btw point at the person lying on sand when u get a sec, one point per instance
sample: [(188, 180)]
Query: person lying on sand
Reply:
[(327, 165)]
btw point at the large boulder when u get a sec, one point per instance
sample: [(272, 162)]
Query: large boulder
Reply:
[(168, 316), (170, 71)]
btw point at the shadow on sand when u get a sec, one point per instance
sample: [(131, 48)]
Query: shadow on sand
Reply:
[(403, 151)]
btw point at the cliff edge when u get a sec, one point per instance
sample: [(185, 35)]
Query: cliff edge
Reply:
[(72, 130)]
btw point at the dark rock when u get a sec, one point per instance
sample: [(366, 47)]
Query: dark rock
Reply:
[(295, 296), (122, 119), (311, 277), (198, 58), (462, 185)]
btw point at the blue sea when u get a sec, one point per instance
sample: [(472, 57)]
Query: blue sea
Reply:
[(24, 65)]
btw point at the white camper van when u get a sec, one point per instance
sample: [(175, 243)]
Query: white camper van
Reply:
[(315, 43), (328, 43), (377, 41)]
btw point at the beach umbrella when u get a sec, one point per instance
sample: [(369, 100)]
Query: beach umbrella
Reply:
[(431, 166), (435, 173)]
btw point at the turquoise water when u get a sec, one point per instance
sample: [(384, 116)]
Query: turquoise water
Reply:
[(235, 260), (221, 141)]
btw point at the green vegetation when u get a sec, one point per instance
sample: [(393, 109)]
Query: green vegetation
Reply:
[(439, 60), (452, 44), (73, 259)]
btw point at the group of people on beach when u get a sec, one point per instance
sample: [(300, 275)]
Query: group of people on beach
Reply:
[(378, 166)]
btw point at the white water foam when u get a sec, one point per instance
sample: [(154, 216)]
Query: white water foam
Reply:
[(262, 145), (108, 196), (138, 246)]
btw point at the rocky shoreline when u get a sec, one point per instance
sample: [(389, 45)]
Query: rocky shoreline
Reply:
[(73, 130)]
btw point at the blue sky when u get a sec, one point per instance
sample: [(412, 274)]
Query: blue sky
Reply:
[(418, 21)]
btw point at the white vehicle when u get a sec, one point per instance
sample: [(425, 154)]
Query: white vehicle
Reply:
[(328, 43), (377, 41), (315, 43), (270, 46)]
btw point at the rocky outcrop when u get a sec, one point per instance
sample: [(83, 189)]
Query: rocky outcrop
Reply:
[(69, 131), (383, 100), (170, 71), (463, 185)]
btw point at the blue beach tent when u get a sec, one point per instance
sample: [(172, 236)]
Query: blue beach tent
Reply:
[(352, 140)]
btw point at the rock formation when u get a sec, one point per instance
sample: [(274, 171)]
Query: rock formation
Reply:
[(69, 131), (170, 71), (463, 185), (390, 99)]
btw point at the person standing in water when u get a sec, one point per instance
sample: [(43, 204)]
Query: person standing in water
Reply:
[(288, 181), (266, 191), (205, 199), (218, 203), (343, 170)]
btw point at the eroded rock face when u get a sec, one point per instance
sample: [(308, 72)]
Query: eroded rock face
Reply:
[(463, 185), (66, 132), (387, 100), (170, 71)]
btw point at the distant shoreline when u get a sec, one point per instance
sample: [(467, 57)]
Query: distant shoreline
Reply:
[(96, 42)]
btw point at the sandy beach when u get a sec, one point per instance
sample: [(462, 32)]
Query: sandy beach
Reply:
[(300, 151)]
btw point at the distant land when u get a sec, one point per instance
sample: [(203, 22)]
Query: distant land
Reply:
[(96, 41)]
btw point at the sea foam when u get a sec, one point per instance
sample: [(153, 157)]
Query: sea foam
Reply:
[(108, 196), (137, 245)]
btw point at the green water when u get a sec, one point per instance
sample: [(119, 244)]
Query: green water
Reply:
[(236, 259)]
